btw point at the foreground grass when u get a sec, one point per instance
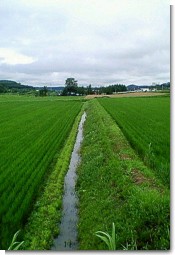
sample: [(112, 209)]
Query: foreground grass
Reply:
[(43, 223), (115, 186)]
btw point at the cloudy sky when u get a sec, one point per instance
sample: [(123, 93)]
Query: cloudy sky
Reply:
[(98, 42)]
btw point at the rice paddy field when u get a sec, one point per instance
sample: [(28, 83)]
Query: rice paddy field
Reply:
[(32, 133), (123, 177)]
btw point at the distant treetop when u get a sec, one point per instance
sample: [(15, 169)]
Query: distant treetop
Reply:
[(71, 82)]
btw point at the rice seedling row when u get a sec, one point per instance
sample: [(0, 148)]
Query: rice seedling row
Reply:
[(30, 136)]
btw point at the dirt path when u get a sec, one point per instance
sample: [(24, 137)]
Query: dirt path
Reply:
[(129, 94)]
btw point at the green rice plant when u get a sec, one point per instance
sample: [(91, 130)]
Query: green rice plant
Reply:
[(109, 240), (15, 245), (32, 132)]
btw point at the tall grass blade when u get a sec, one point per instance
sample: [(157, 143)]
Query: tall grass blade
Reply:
[(105, 239), (109, 240), (15, 245)]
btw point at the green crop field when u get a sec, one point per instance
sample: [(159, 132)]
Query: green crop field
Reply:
[(146, 124), (32, 132), (122, 178)]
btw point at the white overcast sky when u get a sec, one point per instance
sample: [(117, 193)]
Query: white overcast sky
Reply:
[(98, 42)]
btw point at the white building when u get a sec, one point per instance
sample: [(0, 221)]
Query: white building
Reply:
[(145, 89)]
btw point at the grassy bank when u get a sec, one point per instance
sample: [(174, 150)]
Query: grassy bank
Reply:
[(115, 186), (43, 223), (146, 124)]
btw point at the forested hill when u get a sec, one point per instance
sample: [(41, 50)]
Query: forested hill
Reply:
[(6, 85)]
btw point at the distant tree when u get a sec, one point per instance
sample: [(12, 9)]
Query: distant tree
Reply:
[(114, 88), (2, 89), (71, 82), (71, 87), (64, 92), (43, 92), (110, 89), (89, 90), (81, 91)]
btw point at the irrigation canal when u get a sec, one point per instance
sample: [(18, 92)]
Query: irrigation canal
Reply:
[(67, 239)]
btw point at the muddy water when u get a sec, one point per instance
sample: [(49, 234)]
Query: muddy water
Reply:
[(67, 239)]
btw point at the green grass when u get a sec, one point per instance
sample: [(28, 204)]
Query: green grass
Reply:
[(32, 134), (14, 244), (114, 185), (146, 124), (110, 240)]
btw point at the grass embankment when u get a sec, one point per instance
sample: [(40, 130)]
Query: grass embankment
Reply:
[(115, 186), (146, 124), (43, 223)]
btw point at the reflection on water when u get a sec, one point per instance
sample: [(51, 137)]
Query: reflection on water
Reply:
[(67, 239)]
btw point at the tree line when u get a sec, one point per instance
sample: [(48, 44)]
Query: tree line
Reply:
[(72, 88)]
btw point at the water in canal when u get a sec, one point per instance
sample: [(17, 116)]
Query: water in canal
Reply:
[(67, 239)]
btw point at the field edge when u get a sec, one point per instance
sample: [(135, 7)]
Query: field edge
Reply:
[(42, 226)]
